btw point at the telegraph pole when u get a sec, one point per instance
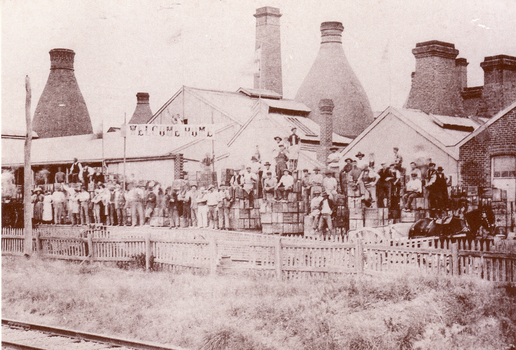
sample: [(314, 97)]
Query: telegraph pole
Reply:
[(27, 170)]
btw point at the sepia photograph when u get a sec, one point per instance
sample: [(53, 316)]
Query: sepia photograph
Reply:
[(258, 175)]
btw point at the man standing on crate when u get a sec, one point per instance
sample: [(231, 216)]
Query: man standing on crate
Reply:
[(250, 180), (305, 184), (326, 211), (294, 146), (316, 181), (281, 161)]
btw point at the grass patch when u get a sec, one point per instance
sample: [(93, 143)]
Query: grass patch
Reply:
[(235, 312)]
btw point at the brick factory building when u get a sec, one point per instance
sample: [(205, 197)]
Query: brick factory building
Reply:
[(488, 155)]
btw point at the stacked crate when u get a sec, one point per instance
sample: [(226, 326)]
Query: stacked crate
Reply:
[(376, 217), (225, 177), (206, 178), (281, 217), (243, 217), (412, 216)]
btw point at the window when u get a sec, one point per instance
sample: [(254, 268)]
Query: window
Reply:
[(504, 167)]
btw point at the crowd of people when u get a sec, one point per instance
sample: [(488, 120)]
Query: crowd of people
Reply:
[(85, 196)]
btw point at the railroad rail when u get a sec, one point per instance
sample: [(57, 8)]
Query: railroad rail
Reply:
[(29, 336)]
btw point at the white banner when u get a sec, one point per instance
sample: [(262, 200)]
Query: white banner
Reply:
[(172, 130)]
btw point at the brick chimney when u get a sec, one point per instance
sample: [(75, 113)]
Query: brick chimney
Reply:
[(326, 134), (268, 46), (461, 64), (499, 83), (436, 86), (142, 114), (61, 110), (331, 76)]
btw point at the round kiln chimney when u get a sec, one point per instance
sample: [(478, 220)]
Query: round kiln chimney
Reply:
[(331, 77), (61, 110)]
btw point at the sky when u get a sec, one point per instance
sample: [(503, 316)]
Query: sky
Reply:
[(127, 46)]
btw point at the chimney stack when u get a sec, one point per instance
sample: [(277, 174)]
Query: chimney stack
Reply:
[(61, 110), (461, 65), (331, 77), (326, 126), (268, 48), (435, 87), (142, 114), (499, 83)]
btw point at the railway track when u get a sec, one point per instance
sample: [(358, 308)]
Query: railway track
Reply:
[(28, 336)]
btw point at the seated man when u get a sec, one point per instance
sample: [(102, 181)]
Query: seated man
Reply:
[(269, 184), (285, 185), (412, 190)]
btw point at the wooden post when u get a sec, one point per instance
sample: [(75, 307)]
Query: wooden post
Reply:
[(214, 255), (27, 172), (38, 243), (90, 246), (278, 258), (359, 257), (455, 259), (148, 250)]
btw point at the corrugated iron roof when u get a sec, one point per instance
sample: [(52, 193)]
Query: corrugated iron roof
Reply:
[(86, 148), (307, 129), (259, 93)]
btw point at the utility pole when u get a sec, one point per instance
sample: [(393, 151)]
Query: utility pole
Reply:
[(27, 170)]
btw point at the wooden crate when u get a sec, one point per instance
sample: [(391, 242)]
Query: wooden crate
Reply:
[(354, 202), (408, 216), (356, 224), (356, 214)]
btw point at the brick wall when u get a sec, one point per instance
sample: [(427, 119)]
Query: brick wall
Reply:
[(475, 155)]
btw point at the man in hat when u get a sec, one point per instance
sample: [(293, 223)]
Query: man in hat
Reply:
[(398, 159), (305, 186), (281, 161), (334, 160), (58, 200), (326, 211), (212, 201), (361, 162), (316, 181), (315, 208), (269, 186), (263, 175), (294, 146), (84, 201), (285, 185), (383, 188), (330, 184), (413, 188), (75, 170), (437, 189), (250, 180), (344, 174)]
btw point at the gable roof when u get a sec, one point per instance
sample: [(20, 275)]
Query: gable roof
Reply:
[(427, 125), (487, 124)]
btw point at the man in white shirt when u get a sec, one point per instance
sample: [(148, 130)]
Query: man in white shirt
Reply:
[(59, 199), (316, 181), (315, 208), (269, 186), (361, 162), (330, 184), (413, 189), (326, 211), (250, 180), (415, 170), (334, 160), (84, 200), (285, 185), (212, 200)]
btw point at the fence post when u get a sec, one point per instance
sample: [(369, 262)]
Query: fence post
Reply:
[(38, 242), (278, 258), (455, 259), (359, 257), (214, 255), (90, 246), (148, 250)]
